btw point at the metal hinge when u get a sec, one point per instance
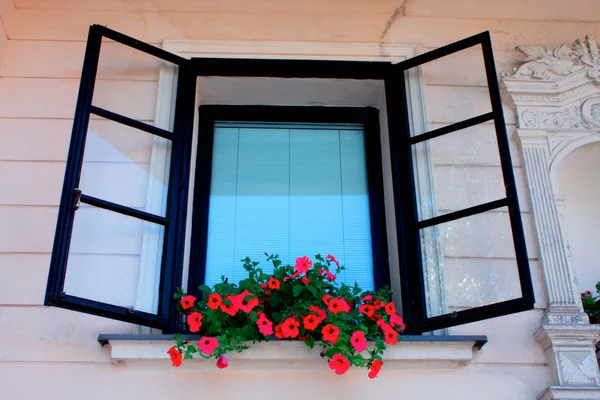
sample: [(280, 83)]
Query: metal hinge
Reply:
[(77, 198)]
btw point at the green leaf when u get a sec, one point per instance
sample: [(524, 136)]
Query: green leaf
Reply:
[(330, 352), (215, 327), (310, 342), (247, 284), (313, 290), (274, 299), (205, 289), (298, 290), (248, 331), (253, 317)]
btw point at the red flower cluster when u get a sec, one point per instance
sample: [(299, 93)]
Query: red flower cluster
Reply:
[(293, 302)]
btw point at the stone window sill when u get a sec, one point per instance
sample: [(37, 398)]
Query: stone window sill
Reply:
[(411, 351)]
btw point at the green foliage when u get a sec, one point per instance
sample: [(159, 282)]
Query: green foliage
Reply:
[(591, 304), (254, 311)]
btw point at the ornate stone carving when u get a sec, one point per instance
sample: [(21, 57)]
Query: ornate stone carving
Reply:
[(557, 99), (578, 367), (542, 63)]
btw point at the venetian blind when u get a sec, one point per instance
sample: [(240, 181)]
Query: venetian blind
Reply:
[(292, 190)]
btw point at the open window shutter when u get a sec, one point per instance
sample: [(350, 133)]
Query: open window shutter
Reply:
[(463, 254), (118, 245)]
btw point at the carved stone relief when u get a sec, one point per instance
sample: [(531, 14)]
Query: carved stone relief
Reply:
[(557, 99), (542, 63)]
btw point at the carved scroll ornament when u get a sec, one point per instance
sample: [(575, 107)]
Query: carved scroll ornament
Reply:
[(541, 63)]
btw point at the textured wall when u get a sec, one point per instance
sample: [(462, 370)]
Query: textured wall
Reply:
[(39, 76)]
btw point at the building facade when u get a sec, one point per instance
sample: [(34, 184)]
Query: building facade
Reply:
[(548, 106)]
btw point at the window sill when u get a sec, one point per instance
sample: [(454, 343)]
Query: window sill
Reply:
[(411, 351)]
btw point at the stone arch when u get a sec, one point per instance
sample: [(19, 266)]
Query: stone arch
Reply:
[(557, 159)]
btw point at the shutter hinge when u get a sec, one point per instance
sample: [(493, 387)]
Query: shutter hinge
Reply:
[(76, 200)]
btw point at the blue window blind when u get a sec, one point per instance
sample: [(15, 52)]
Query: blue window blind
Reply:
[(292, 190)]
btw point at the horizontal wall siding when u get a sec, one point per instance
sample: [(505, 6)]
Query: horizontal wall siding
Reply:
[(39, 78)]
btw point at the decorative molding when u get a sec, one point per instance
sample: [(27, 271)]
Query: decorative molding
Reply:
[(570, 393), (541, 63), (557, 99)]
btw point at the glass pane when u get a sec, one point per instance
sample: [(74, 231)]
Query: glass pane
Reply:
[(454, 88), (465, 171), (114, 259), (478, 265), (126, 166), (127, 83), (292, 190)]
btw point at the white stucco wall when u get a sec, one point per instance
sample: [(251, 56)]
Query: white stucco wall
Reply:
[(581, 212), (39, 76)]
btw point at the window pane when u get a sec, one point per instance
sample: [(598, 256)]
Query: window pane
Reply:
[(465, 169), (454, 88), (107, 261), (478, 264), (127, 83), (126, 166), (293, 190)]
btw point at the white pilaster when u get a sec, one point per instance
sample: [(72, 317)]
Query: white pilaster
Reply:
[(554, 93)]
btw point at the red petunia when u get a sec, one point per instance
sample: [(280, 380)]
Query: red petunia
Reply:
[(375, 368), (222, 362), (242, 302), (337, 305), (294, 275), (187, 302), (391, 336), (377, 304), (367, 310), (339, 364), (390, 308), (264, 325), (289, 328), (214, 301), (194, 321), (208, 344), (384, 327), (330, 277), (332, 258), (367, 298), (397, 322), (321, 315), (306, 280), (358, 341), (264, 287), (310, 322), (230, 308), (273, 283), (330, 333), (303, 264), (278, 332), (326, 298), (176, 356)]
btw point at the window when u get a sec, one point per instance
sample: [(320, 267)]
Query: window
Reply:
[(312, 186), (102, 225)]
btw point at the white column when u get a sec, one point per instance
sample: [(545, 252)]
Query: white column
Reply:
[(566, 335)]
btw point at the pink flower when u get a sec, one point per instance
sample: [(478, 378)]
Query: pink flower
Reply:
[(339, 364), (358, 341), (397, 322), (303, 264), (332, 258), (222, 362), (375, 368), (194, 321), (208, 345)]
